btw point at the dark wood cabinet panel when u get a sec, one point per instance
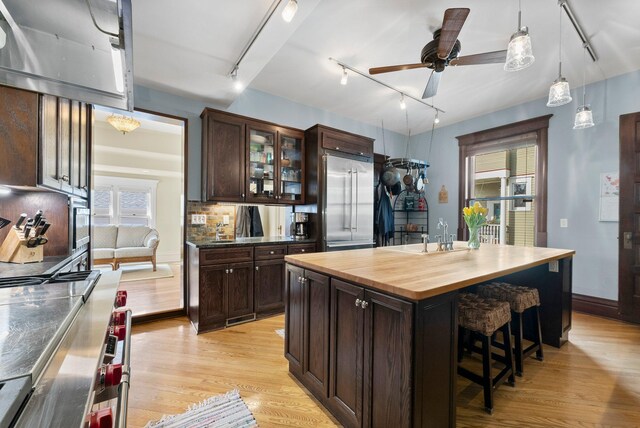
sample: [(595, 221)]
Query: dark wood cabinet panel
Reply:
[(387, 361), (346, 353), (209, 256), (239, 290), (301, 248), (270, 252), (269, 286), (346, 142), (315, 366), (294, 309), (18, 137), (223, 157), (212, 296)]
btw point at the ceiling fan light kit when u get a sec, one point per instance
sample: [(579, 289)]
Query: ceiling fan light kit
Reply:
[(289, 10), (122, 123), (519, 51)]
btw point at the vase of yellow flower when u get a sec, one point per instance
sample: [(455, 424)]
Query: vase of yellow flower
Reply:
[(475, 216)]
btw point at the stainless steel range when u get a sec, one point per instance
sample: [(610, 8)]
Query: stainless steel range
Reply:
[(64, 351)]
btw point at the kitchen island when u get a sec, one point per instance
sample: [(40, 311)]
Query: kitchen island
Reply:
[(372, 333)]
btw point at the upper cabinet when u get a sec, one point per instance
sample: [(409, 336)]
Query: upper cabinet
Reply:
[(246, 160), (65, 128), (18, 137)]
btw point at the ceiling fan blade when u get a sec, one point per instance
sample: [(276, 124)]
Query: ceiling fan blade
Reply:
[(432, 85), (389, 68), (451, 26), (483, 58)]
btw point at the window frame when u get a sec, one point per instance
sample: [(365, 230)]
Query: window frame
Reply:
[(118, 184), (493, 139)]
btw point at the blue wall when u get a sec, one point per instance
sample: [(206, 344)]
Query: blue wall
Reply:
[(258, 105), (576, 159)]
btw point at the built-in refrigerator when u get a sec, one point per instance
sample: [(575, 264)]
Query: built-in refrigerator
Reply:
[(348, 204)]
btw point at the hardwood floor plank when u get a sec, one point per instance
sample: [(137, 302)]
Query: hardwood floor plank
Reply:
[(593, 381)]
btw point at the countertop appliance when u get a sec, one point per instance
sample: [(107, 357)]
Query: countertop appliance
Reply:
[(63, 334), (348, 203), (301, 225)]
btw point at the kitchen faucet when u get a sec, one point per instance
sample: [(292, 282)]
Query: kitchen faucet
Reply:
[(219, 227), (445, 242)]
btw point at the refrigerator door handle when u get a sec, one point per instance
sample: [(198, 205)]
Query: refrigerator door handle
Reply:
[(355, 172), (350, 175)]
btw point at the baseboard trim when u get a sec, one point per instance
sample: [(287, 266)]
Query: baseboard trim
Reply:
[(596, 306)]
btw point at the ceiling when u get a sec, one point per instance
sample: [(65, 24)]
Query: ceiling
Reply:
[(189, 48)]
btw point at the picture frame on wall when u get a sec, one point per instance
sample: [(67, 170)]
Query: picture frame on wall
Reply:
[(520, 186)]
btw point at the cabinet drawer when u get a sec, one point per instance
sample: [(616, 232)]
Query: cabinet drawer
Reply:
[(348, 144), (301, 248), (270, 252), (216, 256)]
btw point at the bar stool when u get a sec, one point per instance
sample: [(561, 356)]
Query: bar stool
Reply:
[(484, 317), (520, 299)]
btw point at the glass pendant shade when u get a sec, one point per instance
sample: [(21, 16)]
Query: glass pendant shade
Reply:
[(122, 123), (519, 52), (584, 118), (559, 93)]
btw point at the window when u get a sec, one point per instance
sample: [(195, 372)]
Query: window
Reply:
[(124, 201)]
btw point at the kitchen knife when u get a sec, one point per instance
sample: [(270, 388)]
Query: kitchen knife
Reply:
[(45, 227), (38, 231), (4, 222), (27, 230), (23, 216), (36, 218)]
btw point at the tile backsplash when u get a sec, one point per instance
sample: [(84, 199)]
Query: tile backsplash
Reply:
[(214, 213)]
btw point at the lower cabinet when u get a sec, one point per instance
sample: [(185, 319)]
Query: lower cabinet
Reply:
[(358, 368), (239, 290), (269, 286), (226, 292)]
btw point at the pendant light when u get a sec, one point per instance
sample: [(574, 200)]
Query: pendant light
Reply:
[(584, 115), (345, 77), (519, 52), (559, 92), (122, 123), (403, 105)]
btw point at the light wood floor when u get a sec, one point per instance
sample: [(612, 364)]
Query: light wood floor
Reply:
[(593, 381), (150, 296)]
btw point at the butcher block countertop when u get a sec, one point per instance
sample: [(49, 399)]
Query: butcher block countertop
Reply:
[(407, 272)]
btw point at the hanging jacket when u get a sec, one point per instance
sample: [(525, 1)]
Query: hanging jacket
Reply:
[(256, 222), (384, 218), (243, 222)]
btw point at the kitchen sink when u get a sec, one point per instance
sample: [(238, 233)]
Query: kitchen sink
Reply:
[(417, 248)]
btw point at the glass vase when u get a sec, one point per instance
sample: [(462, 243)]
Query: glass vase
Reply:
[(474, 238)]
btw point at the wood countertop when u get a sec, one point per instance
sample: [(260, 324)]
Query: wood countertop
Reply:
[(405, 271)]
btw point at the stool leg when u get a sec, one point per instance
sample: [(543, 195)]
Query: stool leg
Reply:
[(461, 333), (539, 354), (517, 324), (487, 379), (508, 352)]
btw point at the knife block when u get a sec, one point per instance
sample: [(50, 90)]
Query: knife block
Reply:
[(14, 249)]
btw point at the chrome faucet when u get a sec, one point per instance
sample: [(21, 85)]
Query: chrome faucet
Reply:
[(425, 241), (219, 228), (445, 242)]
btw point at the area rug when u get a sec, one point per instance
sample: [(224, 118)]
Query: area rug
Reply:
[(145, 272), (227, 410), (280, 332)]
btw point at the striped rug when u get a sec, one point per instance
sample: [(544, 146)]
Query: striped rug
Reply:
[(227, 410)]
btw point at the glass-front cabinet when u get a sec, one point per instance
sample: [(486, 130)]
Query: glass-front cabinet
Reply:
[(275, 164)]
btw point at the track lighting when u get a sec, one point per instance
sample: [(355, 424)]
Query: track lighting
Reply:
[(290, 10), (584, 115), (4, 190), (345, 76), (436, 120), (237, 84), (519, 52), (559, 92), (403, 105), (3, 38)]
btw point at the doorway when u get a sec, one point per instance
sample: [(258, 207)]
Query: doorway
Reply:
[(138, 206)]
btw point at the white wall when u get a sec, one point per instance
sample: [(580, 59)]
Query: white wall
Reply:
[(129, 155)]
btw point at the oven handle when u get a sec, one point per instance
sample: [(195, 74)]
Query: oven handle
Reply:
[(123, 388)]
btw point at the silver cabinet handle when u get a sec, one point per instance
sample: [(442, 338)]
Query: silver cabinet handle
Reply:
[(272, 252), (358, 302), (230, 270), (226, 271), (65, 178), (361, 154), (302, 251), (300, 280), (364, 304), (242, 195), (337, 148), (257, 267)]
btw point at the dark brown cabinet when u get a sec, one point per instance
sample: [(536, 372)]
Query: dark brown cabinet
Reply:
[(18, 137), (239, 290), (269, 286), (247, 160), (64, 145), (307, 327)]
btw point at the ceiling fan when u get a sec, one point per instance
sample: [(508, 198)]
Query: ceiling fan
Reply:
[(443, 51)]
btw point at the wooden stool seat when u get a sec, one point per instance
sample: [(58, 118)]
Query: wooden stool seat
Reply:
[(520, 299), (483, 316)]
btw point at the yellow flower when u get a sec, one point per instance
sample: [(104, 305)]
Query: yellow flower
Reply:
[(484, 211), (476, 208), (467, 211)]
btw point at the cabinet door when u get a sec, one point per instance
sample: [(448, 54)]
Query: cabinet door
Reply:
[(79, 163), (65, 142), (345, 358), (293, 319), (49, 147), (212, 296), (387, 361), (315, 359), (269, 286), (291, 159), (223, 172), (18, 137), (262, 163), (240, 290)]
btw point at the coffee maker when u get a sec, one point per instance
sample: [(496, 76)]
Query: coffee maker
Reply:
[(301, 225)]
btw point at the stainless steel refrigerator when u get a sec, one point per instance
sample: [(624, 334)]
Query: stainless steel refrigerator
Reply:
[(348, 204)]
